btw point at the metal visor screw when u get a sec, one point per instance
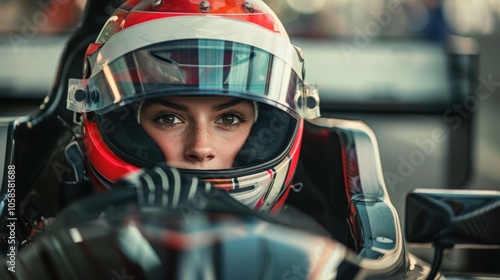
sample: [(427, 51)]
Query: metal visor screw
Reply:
[(80, 95), (204, 7), (311, 102), (248, 7), (155, 3)]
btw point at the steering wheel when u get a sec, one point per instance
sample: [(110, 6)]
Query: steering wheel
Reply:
[(159, 188), (158, 224)]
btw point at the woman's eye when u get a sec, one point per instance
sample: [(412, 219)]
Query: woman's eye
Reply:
[(168, 119), (229, 120), (232, 119)]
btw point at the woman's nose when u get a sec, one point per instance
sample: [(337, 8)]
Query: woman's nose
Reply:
[(199, 146)]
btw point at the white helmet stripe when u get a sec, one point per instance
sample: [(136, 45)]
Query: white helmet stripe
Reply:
[(278, 180)]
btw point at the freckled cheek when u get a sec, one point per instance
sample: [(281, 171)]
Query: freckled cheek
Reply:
[(170, 145)]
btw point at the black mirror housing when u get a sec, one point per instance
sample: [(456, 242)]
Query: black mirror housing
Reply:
[(449, 218)]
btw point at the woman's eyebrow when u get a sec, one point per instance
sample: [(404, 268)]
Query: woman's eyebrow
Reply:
[(226, 105), (172, 105), (185, 108)]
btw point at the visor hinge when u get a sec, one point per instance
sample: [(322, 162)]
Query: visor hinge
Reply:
[(307, 101), (77, 96)]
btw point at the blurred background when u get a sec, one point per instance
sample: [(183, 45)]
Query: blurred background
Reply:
[(424, 74)]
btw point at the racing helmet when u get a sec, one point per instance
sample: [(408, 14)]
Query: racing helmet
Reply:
[(152, 50)]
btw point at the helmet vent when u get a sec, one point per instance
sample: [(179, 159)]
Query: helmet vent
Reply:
[(204, 7)]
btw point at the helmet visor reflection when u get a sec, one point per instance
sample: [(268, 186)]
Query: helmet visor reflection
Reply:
[(191, 67)]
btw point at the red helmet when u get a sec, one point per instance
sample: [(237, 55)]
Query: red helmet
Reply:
[(149, 50)]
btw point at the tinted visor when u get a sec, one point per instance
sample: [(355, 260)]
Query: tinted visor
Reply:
[(190, 67)]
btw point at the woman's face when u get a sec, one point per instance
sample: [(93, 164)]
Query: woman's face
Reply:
[(198, 132)]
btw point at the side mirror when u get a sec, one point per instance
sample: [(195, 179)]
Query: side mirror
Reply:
[(452, 218)]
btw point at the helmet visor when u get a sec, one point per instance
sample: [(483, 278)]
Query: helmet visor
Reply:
[(190, 67)]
